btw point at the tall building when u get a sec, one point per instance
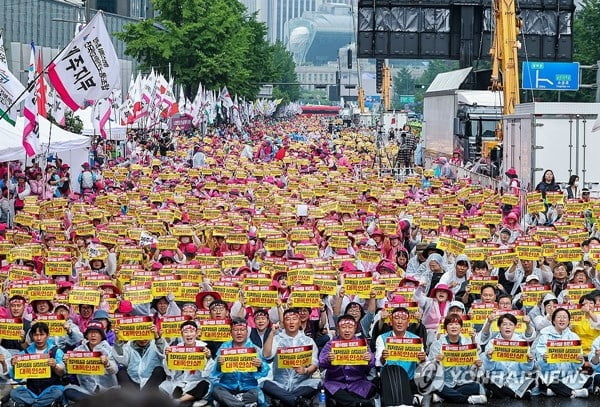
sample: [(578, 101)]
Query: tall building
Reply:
[(128, 8)]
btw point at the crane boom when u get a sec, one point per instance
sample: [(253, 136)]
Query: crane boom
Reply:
[(505, 70)]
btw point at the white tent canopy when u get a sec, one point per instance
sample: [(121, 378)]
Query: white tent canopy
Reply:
[(59, 140), (113, 130)]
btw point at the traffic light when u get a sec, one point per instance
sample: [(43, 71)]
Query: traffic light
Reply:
[(349, 58), (379, 74)]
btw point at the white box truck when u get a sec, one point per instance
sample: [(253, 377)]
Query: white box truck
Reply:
[(556, 136), (455, 118)]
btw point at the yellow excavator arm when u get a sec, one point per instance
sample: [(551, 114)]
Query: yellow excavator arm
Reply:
[(505, 69)]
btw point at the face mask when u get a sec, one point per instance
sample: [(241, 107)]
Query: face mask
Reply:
[(252, 242), (576, 183)]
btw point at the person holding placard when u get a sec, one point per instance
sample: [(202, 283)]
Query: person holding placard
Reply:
[(458, 355), (559, 355), (506, 361), (347, 366), (295, 360), (141, 358), (238, 368), (46, 388), (187, 386), (96, 350), (16, 306), (400, 318)]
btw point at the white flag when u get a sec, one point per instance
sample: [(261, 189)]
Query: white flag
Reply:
[(88, 68)]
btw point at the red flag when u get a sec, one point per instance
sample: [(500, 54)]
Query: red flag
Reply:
[(40, 88)]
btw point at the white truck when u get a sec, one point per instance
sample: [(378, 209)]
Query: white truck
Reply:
[(457, 119), (393, 120), (555, 136)]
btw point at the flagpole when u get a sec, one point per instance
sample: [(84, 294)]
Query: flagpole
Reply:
[(31, 85)]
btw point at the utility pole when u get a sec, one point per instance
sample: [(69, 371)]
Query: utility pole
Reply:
[(386, 87)]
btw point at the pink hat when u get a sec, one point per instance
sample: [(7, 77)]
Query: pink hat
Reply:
[(125, 307), (387, 265), (377, 232), (347, 267), (442, 287), (191, 249)]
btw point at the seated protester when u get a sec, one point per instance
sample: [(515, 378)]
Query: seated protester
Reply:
[(460, 385), (16, 308), (433, 308), (560, 278), (314, 326), (505, 302), (5, 367), (384, 324), (188, 386), (218, 310), (164, 306), (560, 379), (142, 360), (485, 334), (589, 327), (457, 277), (594, 360), (85, 316), (518, 298), (548, 304), (41, 392), (521, 269), (292, 386), (260, 333), (513, 382), (238, 389), (41, 307), (399, 319), (102, 317), (74, 336), (362, 318), (347, 385), (95, 341)]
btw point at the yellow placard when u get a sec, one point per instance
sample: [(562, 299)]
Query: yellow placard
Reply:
[(171, 326), (296, 356), (238, 360), (138, 294), (564, 351), (349, 352), (260, 296), (186, 358), (85, 363), (306, 296), (10, 328), (56, 324), (43, 291), (135, 328), (403, 349), (217, 330), (58, 267), (165, 285), (459, 355), (510, 351), (32, 366), (84, 295)]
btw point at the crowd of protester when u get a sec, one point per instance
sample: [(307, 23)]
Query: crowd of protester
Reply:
[(277, 268)]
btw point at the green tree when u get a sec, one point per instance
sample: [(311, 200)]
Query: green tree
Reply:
[(404, 84), (212, 41), (284, 72)]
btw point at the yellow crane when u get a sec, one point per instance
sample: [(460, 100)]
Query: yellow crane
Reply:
[(505, 69)]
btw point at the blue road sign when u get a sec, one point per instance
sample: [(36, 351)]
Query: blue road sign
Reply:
[(370, 101), (551, 75)]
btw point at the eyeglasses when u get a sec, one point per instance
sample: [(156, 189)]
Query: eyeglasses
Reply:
[(400, 316), (218, 308)]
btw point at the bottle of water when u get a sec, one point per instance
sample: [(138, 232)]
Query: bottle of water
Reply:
[(322, 398)]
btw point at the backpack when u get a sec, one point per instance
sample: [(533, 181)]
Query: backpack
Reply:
[(395, 387)]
